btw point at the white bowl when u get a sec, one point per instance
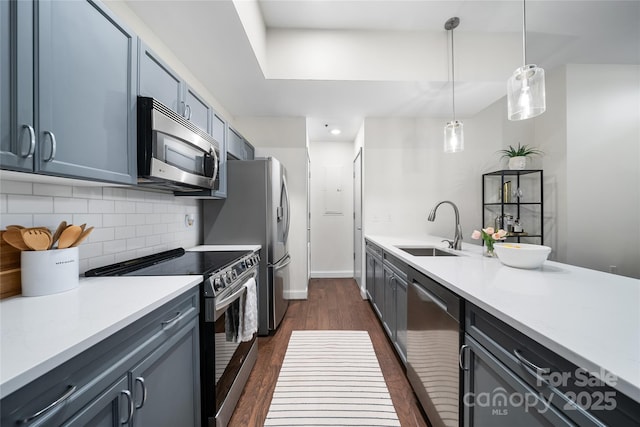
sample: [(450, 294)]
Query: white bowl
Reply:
[(521, 255)]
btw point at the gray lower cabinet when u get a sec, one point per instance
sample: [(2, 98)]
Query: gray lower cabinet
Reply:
[(510, 379), (386, 286), (83, 62), (147, 374), (401, 317), (165, 384)]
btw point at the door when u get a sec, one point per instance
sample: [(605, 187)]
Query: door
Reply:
[(166, 385), (308, 216), (357, 220), (279, 281), (86, 98), (159, 81), (17, 127), (112, 408), (281, 211), (197, 110), (496, 396)]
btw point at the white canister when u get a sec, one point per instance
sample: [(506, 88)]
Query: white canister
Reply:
[(49, 272)]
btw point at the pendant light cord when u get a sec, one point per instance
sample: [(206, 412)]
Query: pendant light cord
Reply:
[(524, 34), (453, 79)]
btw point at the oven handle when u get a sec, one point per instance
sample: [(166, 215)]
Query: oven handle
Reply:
[(230, 299)]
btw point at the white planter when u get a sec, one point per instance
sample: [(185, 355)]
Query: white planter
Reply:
[(517, 163)]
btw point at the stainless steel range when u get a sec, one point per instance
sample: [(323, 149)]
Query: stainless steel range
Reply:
[(226, 358)]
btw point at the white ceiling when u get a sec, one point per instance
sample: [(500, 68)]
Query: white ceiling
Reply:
[(209, 38)]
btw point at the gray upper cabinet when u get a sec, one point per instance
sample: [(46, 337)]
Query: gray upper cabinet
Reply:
[(17, 127), (157, 80), (86, 64), (238, 147), (198, 111), (84, 70)]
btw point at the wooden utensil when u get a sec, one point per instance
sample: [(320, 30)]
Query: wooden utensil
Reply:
[(58, 232), (82, 237), (36, 238), (13, 236), (69, 236)]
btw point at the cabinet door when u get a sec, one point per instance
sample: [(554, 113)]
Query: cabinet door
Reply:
[(197, 110), (17, 127), (389, 310), (378, 283), (494, 396), (86, 78), (166, 385), (370, 274), (157, 80), (235, 144), (249, 151), (112, 408), (401, 317)]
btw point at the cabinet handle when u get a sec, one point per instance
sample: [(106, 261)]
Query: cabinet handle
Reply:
[(140, 380), (537, 371), (461, 357), (172, 320), (32, 141), (70, 390), (53, 145), (127, 394), (187, 111)]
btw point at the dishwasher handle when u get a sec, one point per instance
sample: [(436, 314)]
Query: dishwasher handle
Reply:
[(436, 299)]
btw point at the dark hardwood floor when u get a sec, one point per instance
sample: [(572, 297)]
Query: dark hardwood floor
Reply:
[(332, 304)]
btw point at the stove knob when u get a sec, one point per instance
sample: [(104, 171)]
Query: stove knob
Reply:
[(234, 274), (217, 283)]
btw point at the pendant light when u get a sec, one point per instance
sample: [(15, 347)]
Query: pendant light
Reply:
[(525, 88), (453, 131)]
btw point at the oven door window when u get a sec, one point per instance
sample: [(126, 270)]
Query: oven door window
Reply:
[(229, 355), (183, 156)]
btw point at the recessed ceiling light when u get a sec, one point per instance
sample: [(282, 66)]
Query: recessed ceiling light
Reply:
[(336, 131)]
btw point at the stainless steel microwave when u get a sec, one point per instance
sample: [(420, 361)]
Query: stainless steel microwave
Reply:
[(173, 153)]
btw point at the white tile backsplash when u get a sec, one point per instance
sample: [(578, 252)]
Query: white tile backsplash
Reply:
[(127, 223)]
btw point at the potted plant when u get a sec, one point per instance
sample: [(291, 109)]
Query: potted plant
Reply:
[(518, 156)]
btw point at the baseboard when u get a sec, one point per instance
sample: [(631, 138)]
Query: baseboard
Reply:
[(299, 294), (331, 274)]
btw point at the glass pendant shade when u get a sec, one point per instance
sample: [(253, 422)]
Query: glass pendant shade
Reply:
[(526, 93), (453, 137)]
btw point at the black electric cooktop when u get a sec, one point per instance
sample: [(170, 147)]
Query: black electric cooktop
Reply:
[(175, 262)]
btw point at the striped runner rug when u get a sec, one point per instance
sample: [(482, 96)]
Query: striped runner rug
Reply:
[(331, 378)]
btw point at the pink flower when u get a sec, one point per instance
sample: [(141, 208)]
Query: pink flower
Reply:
[(489, 230), (476, 235), (495, 236), (501, 234)]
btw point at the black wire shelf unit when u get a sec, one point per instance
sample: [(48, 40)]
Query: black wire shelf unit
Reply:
[(518, 193)]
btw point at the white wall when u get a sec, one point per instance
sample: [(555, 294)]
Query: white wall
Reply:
[(603, 167), (331, 232), (128, 223), (285, 139), (590, 135)]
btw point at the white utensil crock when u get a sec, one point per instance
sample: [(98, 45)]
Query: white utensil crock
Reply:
[(49, 272)]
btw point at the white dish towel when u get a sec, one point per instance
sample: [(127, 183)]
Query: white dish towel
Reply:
[(248, 312)]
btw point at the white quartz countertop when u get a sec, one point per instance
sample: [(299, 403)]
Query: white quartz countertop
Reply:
[(38, 334), (589, 317)]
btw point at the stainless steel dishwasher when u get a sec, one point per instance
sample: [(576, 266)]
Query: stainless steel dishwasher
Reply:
[(433, 342)]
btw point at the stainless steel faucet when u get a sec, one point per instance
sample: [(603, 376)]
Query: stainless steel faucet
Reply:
[(457, 239)]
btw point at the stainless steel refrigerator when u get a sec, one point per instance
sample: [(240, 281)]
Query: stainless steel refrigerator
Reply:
[(256, 211)]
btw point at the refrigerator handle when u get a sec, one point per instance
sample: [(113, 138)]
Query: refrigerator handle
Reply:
[(286, 196), (282, 263)]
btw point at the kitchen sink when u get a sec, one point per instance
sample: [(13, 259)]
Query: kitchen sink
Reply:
[(426, 251)]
